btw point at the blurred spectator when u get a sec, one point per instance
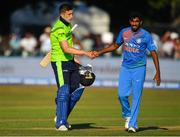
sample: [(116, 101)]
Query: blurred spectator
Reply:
[(177, 48), (107, 38), (77, 43), (88, 42), (165, 36), (1, 51), (5, 47), (45, 44), (157, 41), (14, 43), (168, 44), (98, 42), (28, 44)]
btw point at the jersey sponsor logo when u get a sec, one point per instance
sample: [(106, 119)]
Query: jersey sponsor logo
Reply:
[(130, 47)]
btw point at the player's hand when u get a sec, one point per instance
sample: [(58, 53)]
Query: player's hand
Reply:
[(90, 54), (95, 54), (157, 79)]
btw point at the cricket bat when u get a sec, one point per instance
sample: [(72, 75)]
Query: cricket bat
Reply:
[(47, 58)]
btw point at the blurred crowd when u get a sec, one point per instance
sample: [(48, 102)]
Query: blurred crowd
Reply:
[(168, 44), (31, 45), (27, 45)]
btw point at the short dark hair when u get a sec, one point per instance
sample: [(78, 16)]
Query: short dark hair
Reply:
[(135, 15), (65, 6)]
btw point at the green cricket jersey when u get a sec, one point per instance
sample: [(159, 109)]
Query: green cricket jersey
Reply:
[(60, 32)]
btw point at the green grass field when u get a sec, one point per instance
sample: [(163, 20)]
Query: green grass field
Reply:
[(29, 111)]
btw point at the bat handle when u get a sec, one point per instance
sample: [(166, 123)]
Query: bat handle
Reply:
[(74, 27)]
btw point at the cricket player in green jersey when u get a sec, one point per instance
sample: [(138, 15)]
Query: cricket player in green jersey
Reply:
[(65, 68)]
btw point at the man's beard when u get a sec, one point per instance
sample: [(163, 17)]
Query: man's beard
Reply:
[(135, 28)]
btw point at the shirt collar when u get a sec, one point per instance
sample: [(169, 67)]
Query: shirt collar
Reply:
[(136, 32), (64, 21)]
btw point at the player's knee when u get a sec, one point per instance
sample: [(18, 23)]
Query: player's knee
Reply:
[(75, 96), (63, 93), (121, 97), (74, 87)]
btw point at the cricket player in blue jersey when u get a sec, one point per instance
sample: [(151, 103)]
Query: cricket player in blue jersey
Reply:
[(135, 41)]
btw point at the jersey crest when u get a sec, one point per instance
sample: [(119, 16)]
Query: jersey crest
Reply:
[(138, 40)]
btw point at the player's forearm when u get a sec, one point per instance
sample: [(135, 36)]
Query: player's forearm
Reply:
[(110, 48), (74, 51), (156, 61), (70, 50)]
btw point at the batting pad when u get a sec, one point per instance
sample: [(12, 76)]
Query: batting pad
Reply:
[(75, 96), (62, 105)]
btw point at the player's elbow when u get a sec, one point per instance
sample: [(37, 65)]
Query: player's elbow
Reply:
[(114, 46), (153, 53), (66, 50)]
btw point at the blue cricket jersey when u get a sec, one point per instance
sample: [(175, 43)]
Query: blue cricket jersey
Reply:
[(135, 45)]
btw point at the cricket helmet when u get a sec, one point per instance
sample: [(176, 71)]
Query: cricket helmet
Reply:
[(87, 77)]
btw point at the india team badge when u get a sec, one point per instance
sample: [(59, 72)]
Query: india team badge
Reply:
[(138, 40)]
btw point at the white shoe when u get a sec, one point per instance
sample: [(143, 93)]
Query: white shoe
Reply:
[(132, 130), (67, 125), (55, 118), (62, 128), (127, 122)]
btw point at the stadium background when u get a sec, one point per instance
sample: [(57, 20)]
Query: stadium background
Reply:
[(99, 23), (27, 91), (157, 13)]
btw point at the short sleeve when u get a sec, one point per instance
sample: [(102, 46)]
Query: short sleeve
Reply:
[(119, 39), (61, 34), (150, 44)]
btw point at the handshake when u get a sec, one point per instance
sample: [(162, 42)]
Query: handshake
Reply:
[(92, 54)]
